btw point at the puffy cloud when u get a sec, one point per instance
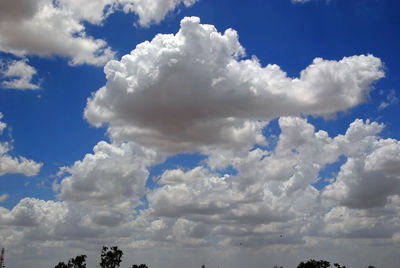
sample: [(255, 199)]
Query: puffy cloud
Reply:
[(20, 74), (115, 174), (44, 29), (148, 12), (369, 178), (10, 164), (185, 91), (269, 203), (22, 165), (48, 28), (271, 195), (154, 11), (34, 212), (3, 197)]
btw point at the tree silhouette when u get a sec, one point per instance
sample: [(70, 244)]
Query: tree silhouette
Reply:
[(139, 266), (61, 265), (110, 257), (77, 262), (318, 264)]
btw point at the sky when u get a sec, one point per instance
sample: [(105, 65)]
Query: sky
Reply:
[(188, 132)]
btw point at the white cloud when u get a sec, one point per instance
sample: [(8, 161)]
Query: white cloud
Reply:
[(3, 197), (268, 206), (113, 175), (22, 165), (185, 91), (300, 1), (20, 75), (391, 99), (47, 28), (148, 12), (153, 11), (10, 164), (370, 177), (2, 124)]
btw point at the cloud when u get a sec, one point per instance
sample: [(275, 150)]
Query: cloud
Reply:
[(268, 205), (148, 13), (20, 75), (3, 197), (47, 28), (370, 175), (391, 99), (2, 124), (10, 164), (300, 1), (154, 11), (113, 175), (189, 90)]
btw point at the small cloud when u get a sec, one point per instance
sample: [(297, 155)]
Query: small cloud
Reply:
[(19, 75), (2, 124), (3, 197), (391, 99), (300, 1)]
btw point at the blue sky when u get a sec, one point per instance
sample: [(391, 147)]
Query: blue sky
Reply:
[(230, 122)]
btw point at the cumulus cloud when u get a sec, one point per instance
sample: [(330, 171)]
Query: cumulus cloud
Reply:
[(371, 174), (48, 28), (269, 203), (11, 164), (192, 89), (41, 28), (113, 174), (154, 11), (20, 75)]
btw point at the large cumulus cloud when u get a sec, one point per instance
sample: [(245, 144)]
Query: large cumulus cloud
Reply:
[(114, 175), (268, 205), (183, 91), (47, 28)]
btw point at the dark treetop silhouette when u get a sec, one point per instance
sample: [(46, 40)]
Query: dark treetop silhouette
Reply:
[(318, 264)]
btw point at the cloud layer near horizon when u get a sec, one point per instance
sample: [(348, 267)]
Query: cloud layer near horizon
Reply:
[(268, 204)]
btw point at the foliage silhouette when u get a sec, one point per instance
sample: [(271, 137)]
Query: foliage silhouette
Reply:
[(110, 257), (318, 264), (139, 266), (77, 262)]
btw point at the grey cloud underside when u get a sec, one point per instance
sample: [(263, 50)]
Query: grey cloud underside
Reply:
[(56, 28), (181, 92), (269, 203)]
